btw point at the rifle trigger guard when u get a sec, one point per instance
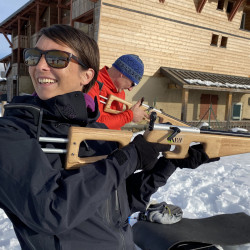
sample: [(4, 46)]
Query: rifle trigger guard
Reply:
[(176, 131)]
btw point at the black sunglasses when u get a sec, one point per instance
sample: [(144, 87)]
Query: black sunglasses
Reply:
[(132, 85), (55, 58)]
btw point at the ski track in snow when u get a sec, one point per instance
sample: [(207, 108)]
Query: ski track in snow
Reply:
[(212, 189)]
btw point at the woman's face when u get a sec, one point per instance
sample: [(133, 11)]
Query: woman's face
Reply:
[(49, 82)]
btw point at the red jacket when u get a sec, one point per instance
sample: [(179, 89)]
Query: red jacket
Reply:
[(112, 121)]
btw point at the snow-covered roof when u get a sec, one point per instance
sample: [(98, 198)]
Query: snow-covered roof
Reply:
[(217, 84), (212, 81)]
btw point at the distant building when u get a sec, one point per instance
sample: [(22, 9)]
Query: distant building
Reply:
[(196, 52), (3, 86)]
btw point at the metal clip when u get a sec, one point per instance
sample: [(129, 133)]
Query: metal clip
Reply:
[(153, 117), (176, 131)]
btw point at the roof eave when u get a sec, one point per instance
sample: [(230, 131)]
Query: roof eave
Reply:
[(15, 13)]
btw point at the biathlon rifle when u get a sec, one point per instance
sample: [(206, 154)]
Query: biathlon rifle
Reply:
[(163, 117), (215, 143)]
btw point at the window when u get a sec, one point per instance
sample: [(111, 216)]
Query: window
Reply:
[(223, 42), (214, 40), (220, 5), (230, 6), (237, 108), (243, 21)]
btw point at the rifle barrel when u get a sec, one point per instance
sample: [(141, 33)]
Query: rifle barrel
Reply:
[(229, 133), (54, 140), (162, 126)]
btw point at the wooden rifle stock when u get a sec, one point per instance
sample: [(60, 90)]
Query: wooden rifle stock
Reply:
[(162, 116), (79, 134), (216, 143)]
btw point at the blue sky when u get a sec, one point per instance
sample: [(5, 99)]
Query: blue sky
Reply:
[(8, 7)]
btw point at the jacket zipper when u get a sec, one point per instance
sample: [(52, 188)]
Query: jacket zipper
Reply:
[(108, 217), (116, 201)]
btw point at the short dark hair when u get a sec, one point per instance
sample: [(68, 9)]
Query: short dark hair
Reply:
[(85, 47)]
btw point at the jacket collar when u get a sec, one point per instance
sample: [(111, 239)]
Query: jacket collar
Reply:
[(105, 78), (68, 108)]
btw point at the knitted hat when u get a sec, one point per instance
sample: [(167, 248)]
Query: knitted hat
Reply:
[(131, 66)]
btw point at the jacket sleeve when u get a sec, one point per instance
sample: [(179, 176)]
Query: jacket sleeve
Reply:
[(141, 185), (50, 200), (116, 121)]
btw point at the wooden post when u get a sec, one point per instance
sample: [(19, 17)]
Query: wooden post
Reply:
[(201, 5), (18, 54), (236, 6), (59, 12), (71, 21), (228, 109), (8, 40), (37, 18), (185, 93)]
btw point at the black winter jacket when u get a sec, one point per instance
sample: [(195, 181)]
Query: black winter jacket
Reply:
[(53, 208)]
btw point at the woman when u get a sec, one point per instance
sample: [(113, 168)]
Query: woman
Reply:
[(52, 208), (86, 208)]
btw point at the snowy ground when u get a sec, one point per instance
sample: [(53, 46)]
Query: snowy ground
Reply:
[(211, 189)]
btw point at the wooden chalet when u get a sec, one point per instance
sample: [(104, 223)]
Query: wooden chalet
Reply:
[(196, 52)]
